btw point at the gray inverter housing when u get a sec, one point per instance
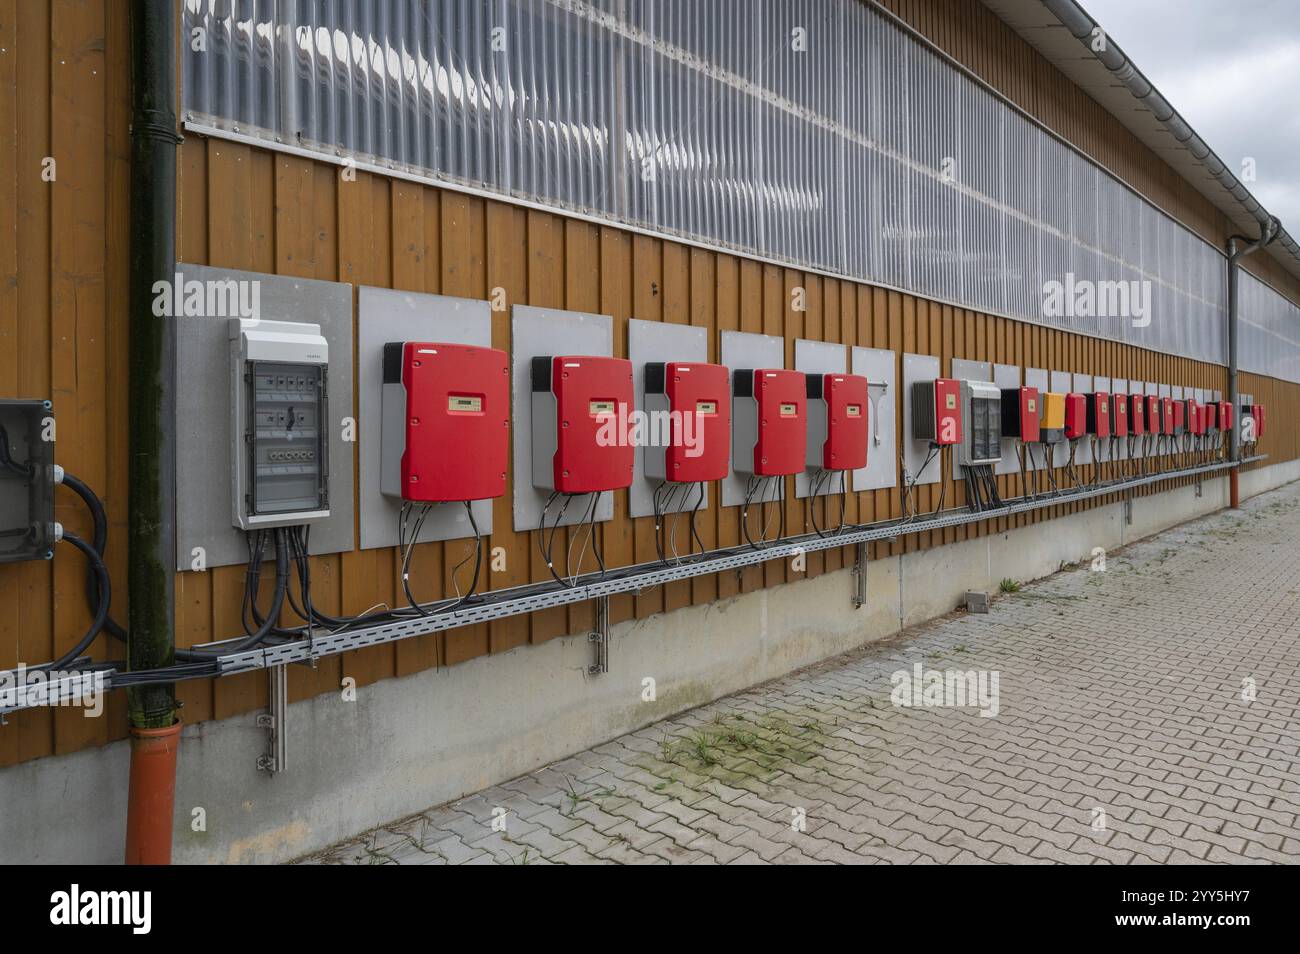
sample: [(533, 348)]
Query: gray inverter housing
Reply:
[(981, 441), (545, 440), (278, 423), (923, 416), (27, 530)]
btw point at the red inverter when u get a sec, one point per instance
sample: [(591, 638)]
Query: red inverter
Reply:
[(837, 421), (580, 407), (1020, 415), (446, 421), (699, 420), (936, 411), (1099, 413), (1119, 415), (769, 417), (1137, 414), (1076, 415)]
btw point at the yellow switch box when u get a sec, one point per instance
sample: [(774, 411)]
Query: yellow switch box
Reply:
[(1053, 418)]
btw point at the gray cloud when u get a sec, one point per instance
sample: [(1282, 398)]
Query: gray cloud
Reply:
[(1233, 71)]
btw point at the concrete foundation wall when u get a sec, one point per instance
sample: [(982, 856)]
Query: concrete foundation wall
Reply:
[(405, 744)]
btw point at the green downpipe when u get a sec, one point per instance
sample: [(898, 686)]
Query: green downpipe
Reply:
[(152, 493)]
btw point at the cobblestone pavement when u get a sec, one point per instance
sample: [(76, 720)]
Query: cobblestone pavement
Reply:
[(1126, 732)]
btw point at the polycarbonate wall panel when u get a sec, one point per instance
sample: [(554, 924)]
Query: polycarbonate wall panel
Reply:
[(813, 132), (1268, 338)]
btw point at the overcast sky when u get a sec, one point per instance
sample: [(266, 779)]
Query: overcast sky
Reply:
[(1232, 69)]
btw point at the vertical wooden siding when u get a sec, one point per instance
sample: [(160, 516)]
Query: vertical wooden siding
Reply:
[(245, 208), (64, 94)]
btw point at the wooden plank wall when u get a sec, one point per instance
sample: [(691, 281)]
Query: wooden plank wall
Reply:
[(63, 271)]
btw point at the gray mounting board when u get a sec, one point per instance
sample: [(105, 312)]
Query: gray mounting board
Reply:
[(743, 349), (1082, 384), (880, 367), (1103, 447), (202, 414), (917, 367), (536, 332), (1062, 383), (385, 315), (1007, 376), (1036, 457), (649, 341), (818, 357)]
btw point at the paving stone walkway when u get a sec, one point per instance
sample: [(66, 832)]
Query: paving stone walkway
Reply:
[(1146, 713)]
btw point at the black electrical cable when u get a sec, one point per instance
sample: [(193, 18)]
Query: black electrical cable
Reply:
[(470, 594), (101, 610), (273, 614), (587, 520), (699, 502), (208, 668), (810, 504), (99, 540), (276, 628), (744, 512), (597, 544), (408, 550), (844, 501), (549, 549)]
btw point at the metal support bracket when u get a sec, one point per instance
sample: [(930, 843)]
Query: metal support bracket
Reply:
[(1200, 486), (881, 388), (276, 757), (1128, 511), (859, 575), (600, 637)]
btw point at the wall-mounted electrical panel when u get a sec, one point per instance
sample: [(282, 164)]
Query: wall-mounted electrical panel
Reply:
[(1211, 411), (279, 445), (981, 407), (1076, 415), (837, 421), (1137, 415), (1052, 429), (577, 403), (26, 480), (1119, 415), (446, 421), (769, 421), (1257, 411), (1180, 417), (936, 411), (1166, 415), (1099, 415), (1020, 414), (695, 397), (1225, 415)]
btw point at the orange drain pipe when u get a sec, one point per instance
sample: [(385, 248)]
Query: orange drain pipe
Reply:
[(152, 795), (1234, 497)]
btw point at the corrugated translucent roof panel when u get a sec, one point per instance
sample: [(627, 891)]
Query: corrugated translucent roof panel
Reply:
[(811, 132)]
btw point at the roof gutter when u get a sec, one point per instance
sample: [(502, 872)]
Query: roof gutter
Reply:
[(1075, 19)]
